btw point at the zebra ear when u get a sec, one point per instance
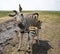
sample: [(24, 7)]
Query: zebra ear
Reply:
[(35, 14), (20, 8), (12, 15), (39, 24)]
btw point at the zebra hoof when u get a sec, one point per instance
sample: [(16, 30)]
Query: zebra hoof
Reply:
[(18, 50), (28, 47)]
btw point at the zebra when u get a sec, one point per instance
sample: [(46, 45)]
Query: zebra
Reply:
[(25, 22)]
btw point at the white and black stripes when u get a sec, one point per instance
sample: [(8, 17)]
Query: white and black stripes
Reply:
[(25, 21), (33, 33)]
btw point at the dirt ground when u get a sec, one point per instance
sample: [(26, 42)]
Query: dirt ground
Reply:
[(49, 40)]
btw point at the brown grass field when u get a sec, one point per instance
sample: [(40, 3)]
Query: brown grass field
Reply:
[(49, 34)]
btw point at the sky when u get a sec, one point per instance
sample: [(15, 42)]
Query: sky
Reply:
[(30, 4)]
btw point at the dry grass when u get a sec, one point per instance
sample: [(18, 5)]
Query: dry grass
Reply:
[(50, 31)]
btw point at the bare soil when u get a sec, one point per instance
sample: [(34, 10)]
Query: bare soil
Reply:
[(49, 40)]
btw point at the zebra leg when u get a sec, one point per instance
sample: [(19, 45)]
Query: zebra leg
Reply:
[(31, 42), (38, 39), (38, 35), (20, 41), (32, 38), (28, 40)]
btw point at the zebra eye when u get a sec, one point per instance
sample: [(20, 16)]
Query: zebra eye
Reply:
[(35, 17), (21, 14)]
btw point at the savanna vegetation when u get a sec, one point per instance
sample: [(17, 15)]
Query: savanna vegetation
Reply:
[(50, 28)]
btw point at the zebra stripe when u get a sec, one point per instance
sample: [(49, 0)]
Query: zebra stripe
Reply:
[(33, 32)]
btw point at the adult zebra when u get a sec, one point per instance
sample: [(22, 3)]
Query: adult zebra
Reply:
[(25, 22)]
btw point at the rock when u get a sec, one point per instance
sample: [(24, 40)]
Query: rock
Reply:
[(8, 37)]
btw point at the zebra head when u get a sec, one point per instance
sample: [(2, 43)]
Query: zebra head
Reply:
[(18, 16), (22, 18)]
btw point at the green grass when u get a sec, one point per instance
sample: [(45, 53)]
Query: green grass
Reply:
[(4, 13), (51, 12), (50, 15), (45, 12)]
